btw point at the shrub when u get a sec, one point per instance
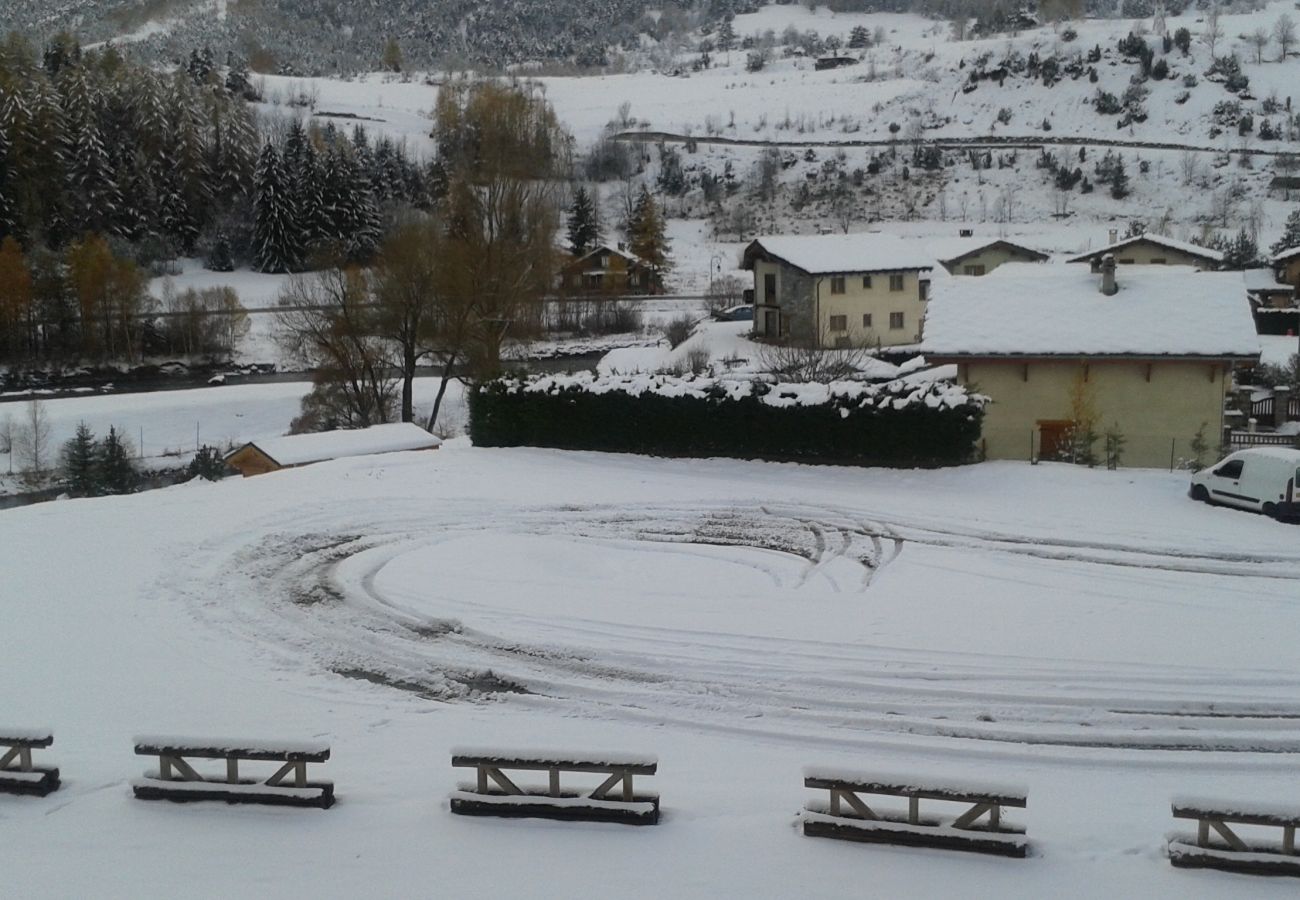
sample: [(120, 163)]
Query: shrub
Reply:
[(1107, 103), (678, 330), (891, 424), (208, 464)]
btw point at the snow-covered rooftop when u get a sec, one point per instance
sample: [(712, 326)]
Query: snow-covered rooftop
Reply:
[(823, 254), (1160, 239), (947, 249), (298, 449), (1033, 309), (1263, 279), (1288, 253)]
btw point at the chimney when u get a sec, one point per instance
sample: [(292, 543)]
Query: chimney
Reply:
[(966, 232), (1108, 285), (1114, 237)]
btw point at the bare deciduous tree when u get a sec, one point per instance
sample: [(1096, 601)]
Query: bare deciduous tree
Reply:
[(30, 443), (1259, 40), (1284, 34), (1213, 32), (812, 361)]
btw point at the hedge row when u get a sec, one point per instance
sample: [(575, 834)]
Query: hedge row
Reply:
[(891, 425)]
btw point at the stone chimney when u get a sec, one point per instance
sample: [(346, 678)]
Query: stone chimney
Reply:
[(1113, 236), (1108, 285)]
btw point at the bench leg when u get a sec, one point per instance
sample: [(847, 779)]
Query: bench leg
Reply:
[(1203, 833), (608, 784), (1288, 839), (500, 778), (8, 757), (555, 783), (1228, 835), (914, 810), (968, 818), (232, 771), (627, 787), (854, 802)]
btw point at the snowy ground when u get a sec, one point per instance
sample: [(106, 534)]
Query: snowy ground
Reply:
[(1093, 634)]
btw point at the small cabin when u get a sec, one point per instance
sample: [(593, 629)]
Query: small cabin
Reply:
[(272, 454), (834, 62)]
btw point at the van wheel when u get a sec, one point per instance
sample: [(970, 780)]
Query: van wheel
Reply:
[(1200, 494), (1270, 510)]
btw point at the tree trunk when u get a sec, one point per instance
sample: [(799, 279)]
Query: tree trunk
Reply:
[(447, 368), (408, 384)]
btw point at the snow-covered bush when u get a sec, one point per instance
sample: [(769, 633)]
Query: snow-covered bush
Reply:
[(895, 423)]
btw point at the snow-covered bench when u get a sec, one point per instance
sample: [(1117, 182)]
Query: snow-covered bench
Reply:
[(494, 793), (17, 774), (845, 815), (176, 779), (1235, 854)]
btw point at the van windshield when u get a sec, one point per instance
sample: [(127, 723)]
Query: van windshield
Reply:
[(1230, 469)]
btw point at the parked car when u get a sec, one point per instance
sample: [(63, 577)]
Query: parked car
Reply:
[(735, 314), (1263, 479)]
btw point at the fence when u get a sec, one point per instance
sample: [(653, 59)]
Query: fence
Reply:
[(1263, 409)]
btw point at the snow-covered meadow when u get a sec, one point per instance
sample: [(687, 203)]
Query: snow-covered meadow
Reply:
[(1093, 634)]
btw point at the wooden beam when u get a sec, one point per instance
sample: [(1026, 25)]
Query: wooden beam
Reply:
[(555, 782), (504, 782), (605, 786), (10, 757), (967, 819), (1228, 835), (274, 780)]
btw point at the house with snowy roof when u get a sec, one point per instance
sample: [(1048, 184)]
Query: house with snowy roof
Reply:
[(272, 454), (970, 255), (1151, 250), (1145, 351), (1273, 301), (839, 290), (609, 270)]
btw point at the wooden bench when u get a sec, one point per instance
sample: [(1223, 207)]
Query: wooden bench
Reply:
[(1257, 856), (17, 774), (176, 779), (846, 816), (494, 793)]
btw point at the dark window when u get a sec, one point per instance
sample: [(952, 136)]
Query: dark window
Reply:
[(866, 282), (866, 320), (972, 270), (925, 289), (895, 282), (1231, 469), (1159, 261), (1126, 262), (839, 323), (769, 287), (837, 284), (896, 320)]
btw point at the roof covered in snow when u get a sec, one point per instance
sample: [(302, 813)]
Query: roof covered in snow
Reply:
[(299, 449), (824, 254), (1284, 255), (951, 249), (1264, 280), (1033, 309), (1159, 239)]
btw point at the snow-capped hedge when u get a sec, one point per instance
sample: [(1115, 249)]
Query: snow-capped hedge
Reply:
[(894, 423)]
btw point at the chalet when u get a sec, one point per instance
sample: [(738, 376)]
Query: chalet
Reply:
[(839, 290), (1272, 301), (1286, 265), (1146, 351), (1151, 250), (272, 454), (969, 255), (609, 270)]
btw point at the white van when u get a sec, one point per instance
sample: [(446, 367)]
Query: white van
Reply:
[(1264, 479)]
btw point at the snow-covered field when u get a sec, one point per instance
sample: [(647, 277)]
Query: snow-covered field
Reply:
[(1093, 634)]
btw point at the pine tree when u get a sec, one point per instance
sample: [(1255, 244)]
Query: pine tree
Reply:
[(647, 237), (117, 473), (584, 230), (80, 462), (1119, 180), (363, 222), (859, 38), (1290, 234), (1240, 252), (277, 245), (8, 177)]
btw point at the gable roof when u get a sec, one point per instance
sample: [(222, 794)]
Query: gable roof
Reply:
[(299, 449), (1035, 309), (952, 250), (630, 257), (1264, 280), (1288, 253), (827, 254), (1182, 246)]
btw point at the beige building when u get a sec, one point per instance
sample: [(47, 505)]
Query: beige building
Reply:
[(860, 290), (1151, 250), (1148, 356), (969, 255)]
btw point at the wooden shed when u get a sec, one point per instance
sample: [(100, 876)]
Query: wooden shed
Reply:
[(272, 454)]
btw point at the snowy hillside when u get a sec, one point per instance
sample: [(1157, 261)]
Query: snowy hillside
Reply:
[(1092, 634)]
